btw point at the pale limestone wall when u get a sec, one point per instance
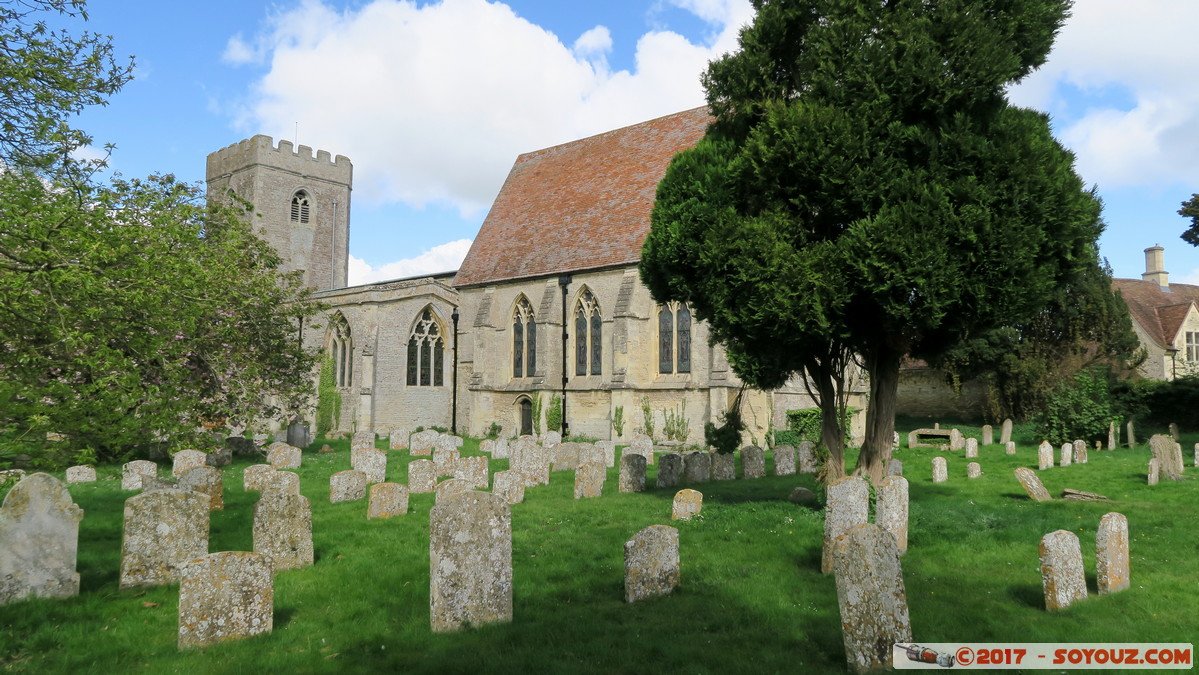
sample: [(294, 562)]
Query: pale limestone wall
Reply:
[(1176, 364), (923, 392), (1157, 362)]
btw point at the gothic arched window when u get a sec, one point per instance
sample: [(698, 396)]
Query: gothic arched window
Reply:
[(524, 340), (301, 205), (588, 335), (674, 338), (341, 349), (426, 352)]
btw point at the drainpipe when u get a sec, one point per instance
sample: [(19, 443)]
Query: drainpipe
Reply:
[(454, 379), (564, 282)]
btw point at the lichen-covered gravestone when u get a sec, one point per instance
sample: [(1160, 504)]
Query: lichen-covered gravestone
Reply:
[(255, 475), (284, 456), (1009, 447), (371, 462), (697, 468), (470, 562), (283, 529), (509, 486), (81, 474), (225, 596), (398, 439), (566, 456), (642, 445), (1067, 456), (971, 448), (280, 481), (1168, 455), (387, 500), (753, 462), (724, 466), (163, 530), (450, 487), (1111, 554), (422, 476), (186, 460), (1061, 570), (1080, 452), (473, 470), (988, 435), (502, 449), (973, 470), (551, 439), (891, 511), (1032, 484), (218, 457), (208, 481), (421, 443), (448, 442), (39, 540), (847, 503), (589, 480), (670, 469), (1044, 456), (1155, 468), (687, 503), (870, 596), (132, 473), (940, 470), (651, 563), (632, 473), (806, 459), (347, 486), (894, 467), (607, 451), (784, 460)]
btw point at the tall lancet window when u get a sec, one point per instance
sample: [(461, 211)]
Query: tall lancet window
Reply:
[(341, 349), (426, 352), (674, 338), (524, 340), (588, 335)]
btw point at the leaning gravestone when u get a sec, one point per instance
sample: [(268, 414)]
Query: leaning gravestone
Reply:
[(589, 480), (132, 473), (370, 461), (398, 439), (973, 470), (670, 469), (450, 487), (163, 530), (387, 500), (806, 458), (971, 448), (473, 470), (1067, 456), (208, 481), (421, 443), (632, 473), (891, 510), (956, 440), (283, 529), (687, 503), (81, 474), (847, 503), (1111, 554), (1044, 456), (347, 486), (470, 562), (1032, 484), (422, 476), (753, 462), (1080, 452), (1005, 433), (509, 486), (784, 460), (39, 540), (940, 470), (1061, 570), (283, 456), (225, 596), (651, 563), (1168, 455), (870, 596), (186, 460), (988, 435), (724, 466), (697, 468)]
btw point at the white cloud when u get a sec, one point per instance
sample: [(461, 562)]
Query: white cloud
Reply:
[(443, 258), (239, 52), (433, 103)]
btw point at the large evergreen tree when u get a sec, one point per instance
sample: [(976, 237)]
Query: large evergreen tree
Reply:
[(867, 188)]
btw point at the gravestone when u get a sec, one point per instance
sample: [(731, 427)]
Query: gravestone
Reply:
[(225, 596), (801, 496), (219, 457), (255, 475), (533, 462), (444, 460), (280, 481), (940, 470), (387, 500), (1032, 484), (632, 473), (186, 460), (421, 443), (470, 562), (687, 503), (847, 503), (1061, 570), (1196, 463), (642, 445), (697, 468), (784, 460), (589, 480), (398, 439), (1080, 452), (753, 462), (1005, 432), (347, 486), (1112, 436), (1168, 455), (724, 466), (447, 442), (1131, 433), (156, 483), (1173, 431), (501, 449), (956, 440), (1154, 471), (132, 473), (871, 597), (450, 487), (566, 456), (988, 435), (163, 530), (551, 438), (81, 474), (891, 510), (371, 462), (1067, 456), (1010, 447), (1044, 455), (973, 470), (473, 470), (363, 439), (894, 467), (283, 529), (487, 446), (1111, 554), (670, 469), (422, 476), (651, 563), (806, 460), (607, 451), (39, 540), (509, 486), (284, 456), (971, 448), (208, 481)]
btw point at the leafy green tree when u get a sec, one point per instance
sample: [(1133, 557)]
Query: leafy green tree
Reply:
[(866, 192), (1190, 209)]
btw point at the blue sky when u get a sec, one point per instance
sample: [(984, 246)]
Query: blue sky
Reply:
[(434, 100)]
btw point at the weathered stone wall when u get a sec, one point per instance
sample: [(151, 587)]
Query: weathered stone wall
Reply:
[(923, 392)]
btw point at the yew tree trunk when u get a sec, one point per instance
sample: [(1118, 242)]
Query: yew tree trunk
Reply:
[(883, 366)]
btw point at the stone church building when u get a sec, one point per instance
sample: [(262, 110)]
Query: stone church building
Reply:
[(547, 302)]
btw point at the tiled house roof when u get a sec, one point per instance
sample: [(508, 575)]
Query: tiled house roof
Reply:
[(578, 206), (1160, 313)]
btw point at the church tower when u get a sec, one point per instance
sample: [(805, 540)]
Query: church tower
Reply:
[(302, 202)]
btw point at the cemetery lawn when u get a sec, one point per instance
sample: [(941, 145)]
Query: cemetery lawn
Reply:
[(751, 599)]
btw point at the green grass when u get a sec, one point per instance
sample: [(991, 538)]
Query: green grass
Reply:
[(751, 599)]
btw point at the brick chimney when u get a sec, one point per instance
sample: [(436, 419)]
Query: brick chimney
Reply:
[(1155, 267)]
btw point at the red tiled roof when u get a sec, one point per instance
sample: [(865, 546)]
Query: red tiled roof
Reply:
[(1161, 314), (578, 206)]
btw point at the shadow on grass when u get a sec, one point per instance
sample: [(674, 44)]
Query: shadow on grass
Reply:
[(1029, 595)]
